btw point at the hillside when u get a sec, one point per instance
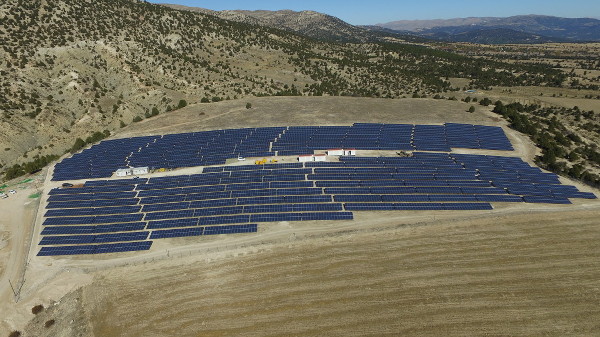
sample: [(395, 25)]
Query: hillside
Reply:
[(308, 23), (72, 69), (548, 27), (483, 35)]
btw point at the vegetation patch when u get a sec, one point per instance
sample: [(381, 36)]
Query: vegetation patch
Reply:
[(37, 309), (567, 137)]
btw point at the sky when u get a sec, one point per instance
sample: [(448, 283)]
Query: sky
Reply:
[(367, 12)]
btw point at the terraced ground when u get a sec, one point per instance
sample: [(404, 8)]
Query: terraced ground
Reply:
[(525, 274)]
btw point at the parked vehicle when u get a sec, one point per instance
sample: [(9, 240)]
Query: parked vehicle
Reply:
[(12, 192)]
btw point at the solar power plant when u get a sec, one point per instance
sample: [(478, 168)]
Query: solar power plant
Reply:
[(124, 215), (215, 147)]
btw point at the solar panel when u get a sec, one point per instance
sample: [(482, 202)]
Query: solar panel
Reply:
[(95, 249)]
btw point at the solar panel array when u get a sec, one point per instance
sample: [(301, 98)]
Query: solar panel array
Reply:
[(119, 215), (167, 151), (371, 136), (215, 147)]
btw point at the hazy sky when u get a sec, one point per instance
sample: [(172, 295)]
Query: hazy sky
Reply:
[(364, 12)]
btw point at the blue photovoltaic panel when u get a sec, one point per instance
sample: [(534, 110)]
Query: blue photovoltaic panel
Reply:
[(175, 233), (114, 209), (95, 249), (230, 229)]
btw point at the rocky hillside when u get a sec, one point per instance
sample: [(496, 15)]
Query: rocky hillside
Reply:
[(81, 69), (308, 23)]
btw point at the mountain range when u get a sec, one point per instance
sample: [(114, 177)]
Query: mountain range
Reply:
[(521, 28), (311, 24), (486, 30)]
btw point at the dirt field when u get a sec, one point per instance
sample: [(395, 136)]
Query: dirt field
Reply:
[(282, 111), (520, 269), (518, 274)]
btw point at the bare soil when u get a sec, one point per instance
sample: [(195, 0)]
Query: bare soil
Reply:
[(518, 275), (520, 269)]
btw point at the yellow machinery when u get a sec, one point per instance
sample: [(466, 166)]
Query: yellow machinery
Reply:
[(264, 161)]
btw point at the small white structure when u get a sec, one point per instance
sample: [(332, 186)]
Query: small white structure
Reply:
[(335, 152), (140, 170), (320, 157), (350, 152), (305, 158), (124, 172)]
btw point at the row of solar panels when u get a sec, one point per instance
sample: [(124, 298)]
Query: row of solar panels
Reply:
[(198, 231), (214, 147), (391, 206)]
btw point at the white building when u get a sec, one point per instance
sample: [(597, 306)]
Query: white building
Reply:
[(124, 172), (140, 170), (335, 152), (350, 152), (305, 158), (320, 157)]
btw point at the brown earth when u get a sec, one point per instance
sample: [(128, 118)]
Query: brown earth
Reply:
[(520, 269), (517, 274)]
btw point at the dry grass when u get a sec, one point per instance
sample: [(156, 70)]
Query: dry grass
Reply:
[(519, 275)]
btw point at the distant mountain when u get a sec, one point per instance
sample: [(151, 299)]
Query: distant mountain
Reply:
[(486, 35), (514, 29), (308, 23)]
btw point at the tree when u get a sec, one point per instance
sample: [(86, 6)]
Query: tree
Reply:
[(137, 119), (485, 102), (471, 109), (182, 104), (204, 100), (79, 144), (248, 105)]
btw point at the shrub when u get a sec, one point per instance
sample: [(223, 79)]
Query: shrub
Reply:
[(248, 106), (37, 309), (485, 102), (182, 104), (471, 109), (49, 323), (15, 334), (137, 119)]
